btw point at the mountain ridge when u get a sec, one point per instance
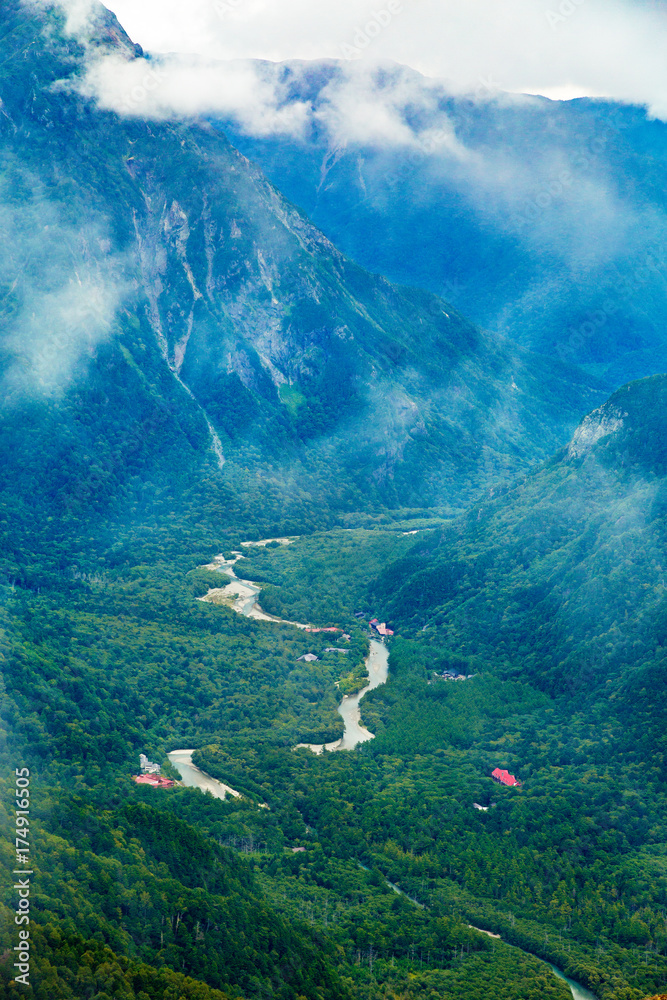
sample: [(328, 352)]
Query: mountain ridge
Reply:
[(542, 220), (537, 580), (238, 324)]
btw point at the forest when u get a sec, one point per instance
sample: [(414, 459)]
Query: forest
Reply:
[(143, 432), (570, 868)]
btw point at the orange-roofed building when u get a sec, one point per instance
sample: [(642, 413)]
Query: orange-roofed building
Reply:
[(505, 778)]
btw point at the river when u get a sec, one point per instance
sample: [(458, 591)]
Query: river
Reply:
[(578, 991), (242, 597), (192, 777), (377, 664)]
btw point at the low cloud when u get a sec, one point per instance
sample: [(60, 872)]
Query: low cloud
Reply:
[(60, 291), (361, 104), (374, 105), (81, 16), (55, 331), (613, 48), (180, 87)]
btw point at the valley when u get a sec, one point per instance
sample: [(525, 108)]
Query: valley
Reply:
[(270, 491), (244, 600), (377, 667)]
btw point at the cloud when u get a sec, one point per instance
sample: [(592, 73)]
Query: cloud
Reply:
[(80, 15), (389, 106), (55, 331), (360, 103), (182, 86), (599, 47), (60, 291)]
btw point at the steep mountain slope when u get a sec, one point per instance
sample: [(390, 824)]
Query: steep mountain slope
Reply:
[(176, 336), (542, 220), (165, 310), (188, 905), (560, 579)]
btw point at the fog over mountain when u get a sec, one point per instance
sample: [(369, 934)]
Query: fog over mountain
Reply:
[(332, 546), (563, 49), (164, 259), (543, 221)]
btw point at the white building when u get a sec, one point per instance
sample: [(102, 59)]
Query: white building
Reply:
[(147, 766)]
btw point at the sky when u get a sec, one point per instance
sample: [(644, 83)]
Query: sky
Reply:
[(558, 48)]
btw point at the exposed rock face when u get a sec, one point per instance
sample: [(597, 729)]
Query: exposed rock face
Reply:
[(490, 201), (237, 319), (595, 426)]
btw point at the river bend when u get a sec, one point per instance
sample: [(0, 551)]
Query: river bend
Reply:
[(242, 596)]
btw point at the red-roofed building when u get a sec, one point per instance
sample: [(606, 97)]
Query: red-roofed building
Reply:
[(380, 627), (154, 780), (505, 778)]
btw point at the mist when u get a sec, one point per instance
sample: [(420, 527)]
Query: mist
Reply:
[(61, 289)]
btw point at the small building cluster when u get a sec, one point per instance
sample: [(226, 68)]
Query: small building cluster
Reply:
[(150, 774), (451, 675), (380, 627), (147, 766), (505, 778), (309, 658)]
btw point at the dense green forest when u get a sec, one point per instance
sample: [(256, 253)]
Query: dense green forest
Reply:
[(571, 867), (130, 880), (373, 873), (102, 665)]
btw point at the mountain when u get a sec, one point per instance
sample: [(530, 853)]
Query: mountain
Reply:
[(541, 220), (188, 362), (560, 580), (170, 319)]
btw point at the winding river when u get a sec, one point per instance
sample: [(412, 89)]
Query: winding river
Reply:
[(377, 664), (578, 991), (243, 598), (240, 594), (192, 777)]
